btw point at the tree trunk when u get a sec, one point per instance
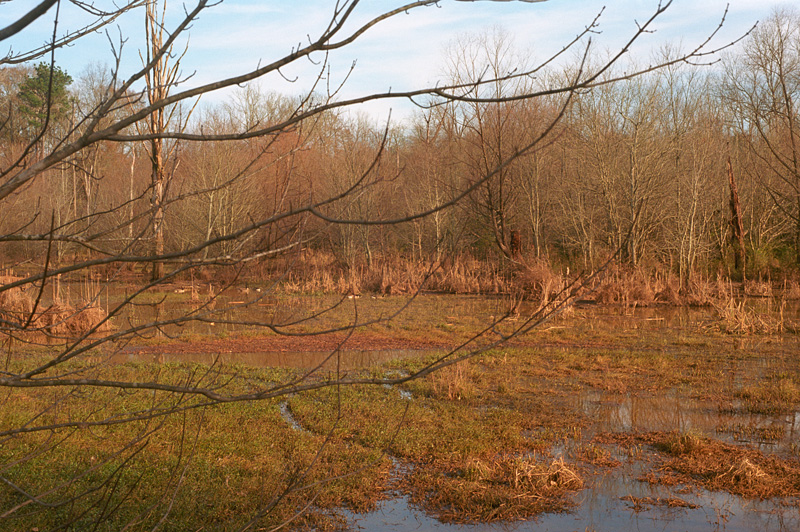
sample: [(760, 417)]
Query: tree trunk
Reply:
[(737, 234)]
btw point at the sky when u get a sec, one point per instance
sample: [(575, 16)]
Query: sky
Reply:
[(405, 52)]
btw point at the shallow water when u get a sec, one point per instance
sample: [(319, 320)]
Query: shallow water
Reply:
[(600, 506), (672, 412)]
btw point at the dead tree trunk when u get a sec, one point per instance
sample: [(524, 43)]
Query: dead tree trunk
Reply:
[(737, 233)]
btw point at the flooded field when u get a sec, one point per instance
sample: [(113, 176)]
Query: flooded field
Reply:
[(618, 498), (606, 418), (620, 493)]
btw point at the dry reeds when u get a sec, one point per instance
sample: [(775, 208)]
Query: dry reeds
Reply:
[(319, 271), (503, 488), (455, 382), (700, 292), (627, 287), (15, 304), (62, 320), (791, 290), (758, 288), (537, 280), (714, 465), (746, 473), (737, 318), (58, 319)]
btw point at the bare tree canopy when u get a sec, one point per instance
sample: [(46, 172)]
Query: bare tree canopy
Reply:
[(119, 190)]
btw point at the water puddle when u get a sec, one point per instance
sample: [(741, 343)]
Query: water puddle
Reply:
[(672, 412), (398, 515), (287, 416), (615, 499), (602, 507)]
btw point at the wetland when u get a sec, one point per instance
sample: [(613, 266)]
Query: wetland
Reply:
[(605, 418)]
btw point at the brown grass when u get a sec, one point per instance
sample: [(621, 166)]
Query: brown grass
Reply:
[(58, 319), (758, 288), (734, 317), (791, 290), (714, 465), (595, 455), (779, 395), (490, 489), (697, 292), (701, 292), (319, 271), (61, 319), (627, 287), (536, 280), (15, 304), (455, 382)]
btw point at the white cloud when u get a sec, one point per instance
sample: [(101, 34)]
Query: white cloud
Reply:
[(404, 52)]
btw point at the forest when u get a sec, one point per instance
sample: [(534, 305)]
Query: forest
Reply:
[(685, 172)]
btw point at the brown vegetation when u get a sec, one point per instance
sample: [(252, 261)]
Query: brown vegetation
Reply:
[(714, 465), (504, 488), (56, 319)]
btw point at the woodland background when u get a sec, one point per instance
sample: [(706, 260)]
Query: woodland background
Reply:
[(644, 166)]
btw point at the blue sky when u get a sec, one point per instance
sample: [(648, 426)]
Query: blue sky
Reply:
[(402, 53)]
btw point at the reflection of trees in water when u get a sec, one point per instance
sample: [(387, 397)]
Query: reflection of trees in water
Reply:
[(671, 411)]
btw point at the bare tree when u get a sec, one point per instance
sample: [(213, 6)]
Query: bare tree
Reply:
[(78, 392), (763, 86)]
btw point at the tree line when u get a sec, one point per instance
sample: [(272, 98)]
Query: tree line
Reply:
[(640, 166)]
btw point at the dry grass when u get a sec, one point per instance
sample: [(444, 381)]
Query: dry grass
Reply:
[(791, 289), (758, 288), (595, 455), (455, 382), (697, 292), (536, 280), (702, 292), (627, 287), (62, 320), (717, 466), (735, 317), (15, 304), (314, 271), (319, 271), (775, 396), (58, 319), (491, 489)]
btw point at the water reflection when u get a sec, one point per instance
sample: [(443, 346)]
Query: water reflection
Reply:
[(606, 504), (671, 411), (601, 508)]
